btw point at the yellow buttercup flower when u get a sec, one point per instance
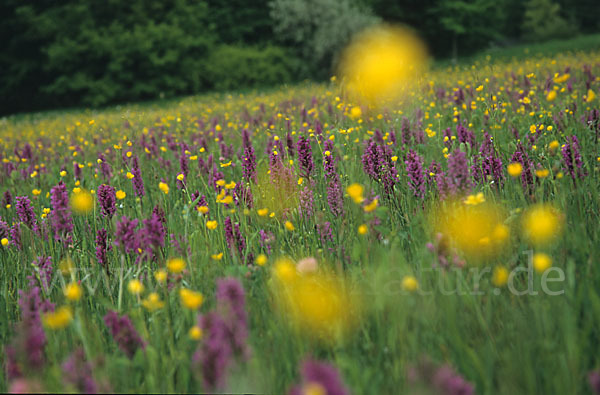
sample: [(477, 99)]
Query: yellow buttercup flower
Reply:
[(371, 206), (135, 287), (590, 96), (190, 299), (515, 169), (82, 201), (410, 283), (474, 200), (217, 257), (541, 224), (212, 225), (180, 176), (500, 276), (363, 229), (163, 187), (58, 319), (263, 211), (551, 95), (160, 276), (541, 262), (289, 226), (355, 191), (121, 195), (261, 260), (195, 333), (153, 302), (4, 242), (73, 292), (176, 265)]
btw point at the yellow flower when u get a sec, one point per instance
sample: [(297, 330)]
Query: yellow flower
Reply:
[(227, 200), (355, 191), (121, 195), (195, 333), (515, 169), (261, 260), (160, 276), (220, 182), (327, 153), (355, 112), (58, 319), (153, 302), (82, 202), (553, 145), (202, 209), (541, 224), (590, 96), (176, 265), (129, 175), (285, 270), (163, 187), (500, 276), (410, 283), (63, 173), (231, 185), (371, 206), (73, 292), (541, 262), (289, 226), (212, 225), (363, 229), (551, 95), (4, 242), (226, 164), (190, 299), (300, 181), (135, 287), (542, 173), (474, 200), (217, 257), (263, 211), (180, 176), (36, 192)]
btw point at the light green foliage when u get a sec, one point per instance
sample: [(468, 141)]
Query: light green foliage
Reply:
[(543, 21)]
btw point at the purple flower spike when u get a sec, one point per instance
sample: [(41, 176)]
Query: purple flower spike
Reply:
[(124, 333), (321, 375)]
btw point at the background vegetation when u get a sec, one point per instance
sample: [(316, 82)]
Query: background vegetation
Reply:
[(95, 52)]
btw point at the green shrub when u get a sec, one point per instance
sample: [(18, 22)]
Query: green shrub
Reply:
[(233, 67)]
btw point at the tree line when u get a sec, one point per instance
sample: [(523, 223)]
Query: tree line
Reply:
[(96, 52)]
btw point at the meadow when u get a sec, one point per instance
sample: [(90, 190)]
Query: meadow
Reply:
[(295, 241)]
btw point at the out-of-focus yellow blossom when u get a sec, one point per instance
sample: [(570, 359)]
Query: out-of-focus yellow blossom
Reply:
[(175, 265), (217, 257), (371, 206), (160, 276), (121, 195), (515, 169), (541, 224), (163, 187), (180, 176), (58, 319), (261, 260), (73, 292), (135, 287), (195, 333), (153, 302), (474, 200), (363, 229), (289, 226), (262, 211), (190, 299), (500, 276), (410, 283), (212, 225), (4, 242), (82, 202), (590, 96), (355, 191), (541, 262)]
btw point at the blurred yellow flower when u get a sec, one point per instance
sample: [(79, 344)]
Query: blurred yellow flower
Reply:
[(355, 191), (217, 257), (289, 226), (121, 195), (500, 276), (212, 225), (135, 287), (514, 169), (541, 224), (195, 333), (58, 319), (541, 262), (160, 276), (163, 187), (261, 260), (82, 202), (180, 176), (73, 292), (410, 283), (363, 229), (474, 200), (190, 299), (153, 302), (590, 96), (551, 95), (175, 265), (263, 211), (4, 242), (371, 206)]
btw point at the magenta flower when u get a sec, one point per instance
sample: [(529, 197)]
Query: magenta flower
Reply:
[(124, 333), (321, 375)]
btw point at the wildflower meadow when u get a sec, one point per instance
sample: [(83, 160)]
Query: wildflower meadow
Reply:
[(300, 240)]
